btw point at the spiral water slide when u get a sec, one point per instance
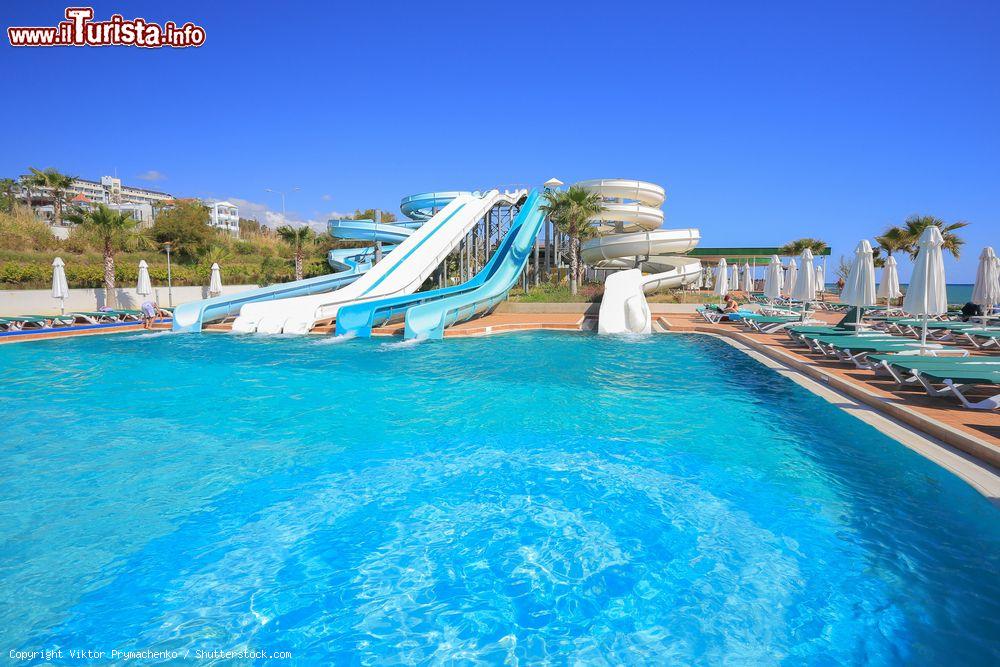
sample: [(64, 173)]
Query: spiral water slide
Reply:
[(348, 263), (631, 238), (401, 272)]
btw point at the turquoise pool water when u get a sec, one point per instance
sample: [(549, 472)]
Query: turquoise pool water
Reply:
[(569, 497)]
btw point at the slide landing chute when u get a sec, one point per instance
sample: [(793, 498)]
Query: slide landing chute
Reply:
[(401, 272)]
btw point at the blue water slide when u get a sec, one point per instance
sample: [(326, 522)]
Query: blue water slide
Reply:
[(190, 317), (497, 277), (423, 206), (349, 264)]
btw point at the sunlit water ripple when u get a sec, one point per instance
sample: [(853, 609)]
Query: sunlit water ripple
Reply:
[(520, 498)]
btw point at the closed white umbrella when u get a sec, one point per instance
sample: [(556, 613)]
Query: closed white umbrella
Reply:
[(143, 287), (859, 288), (747, 285), (820, 278), (986, 291), (215, 284), (734, 277), (721, 288), (805, 283), (60, 288), (927, 294), (889, 287), (791, 277), (773, 279)]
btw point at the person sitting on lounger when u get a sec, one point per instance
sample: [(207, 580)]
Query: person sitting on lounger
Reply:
[(730, 306), (149, 311)]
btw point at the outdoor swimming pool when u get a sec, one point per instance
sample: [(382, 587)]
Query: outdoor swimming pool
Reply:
[(531, 495)]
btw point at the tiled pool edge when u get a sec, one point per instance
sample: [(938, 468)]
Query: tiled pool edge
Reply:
[(980, 474)]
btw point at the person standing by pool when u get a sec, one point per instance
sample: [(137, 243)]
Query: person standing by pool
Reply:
[(149, 311)]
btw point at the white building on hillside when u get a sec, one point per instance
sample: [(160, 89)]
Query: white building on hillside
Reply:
[(109, 190), (224, 215)]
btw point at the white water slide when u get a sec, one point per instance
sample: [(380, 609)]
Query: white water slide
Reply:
[(632, 239), (400, 272)]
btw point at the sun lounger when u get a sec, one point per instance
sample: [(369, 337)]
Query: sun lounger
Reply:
[(93, 317), (855, 349), (23, 322), (899, 366), (798, 331), (771, 323), (980, 338), (106, 316), (956, 376), (713, 315)]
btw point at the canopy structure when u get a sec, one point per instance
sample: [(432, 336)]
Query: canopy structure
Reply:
[(760, 256), (754, 256)]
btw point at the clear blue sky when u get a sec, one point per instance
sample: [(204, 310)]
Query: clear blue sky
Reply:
[(764, 121)]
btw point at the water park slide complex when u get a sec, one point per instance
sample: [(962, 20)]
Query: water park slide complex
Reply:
[(362, 295), (427, 314), (630, 238), (401, 272), (349, 264)]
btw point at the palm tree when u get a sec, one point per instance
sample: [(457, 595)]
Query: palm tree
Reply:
[(571, 211), (26, 185), (298, 238), (915, 225), (794, 248), (891, 240), (7, 187), (114, 229), (57, 182)]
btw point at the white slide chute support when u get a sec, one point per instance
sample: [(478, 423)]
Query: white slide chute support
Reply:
[(631, 238), (402, 271)]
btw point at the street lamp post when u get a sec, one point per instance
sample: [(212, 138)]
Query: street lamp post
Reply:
[(551, 184), (170, 292), (378, 244), (298, 244)]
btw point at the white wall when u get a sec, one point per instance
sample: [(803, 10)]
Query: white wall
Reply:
[(40, 302)]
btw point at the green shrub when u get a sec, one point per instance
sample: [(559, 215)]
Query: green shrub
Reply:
[(20, 230)]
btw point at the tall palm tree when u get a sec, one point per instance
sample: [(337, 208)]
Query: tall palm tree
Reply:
[(26, 187), (55, 181), (298, 238), (570, 211), (915, 225), (793, 248), (8, 186), (114, 229), (891, 240)]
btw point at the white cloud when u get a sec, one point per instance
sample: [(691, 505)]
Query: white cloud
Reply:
[(273, 219), (326, 197), (152, 175)]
